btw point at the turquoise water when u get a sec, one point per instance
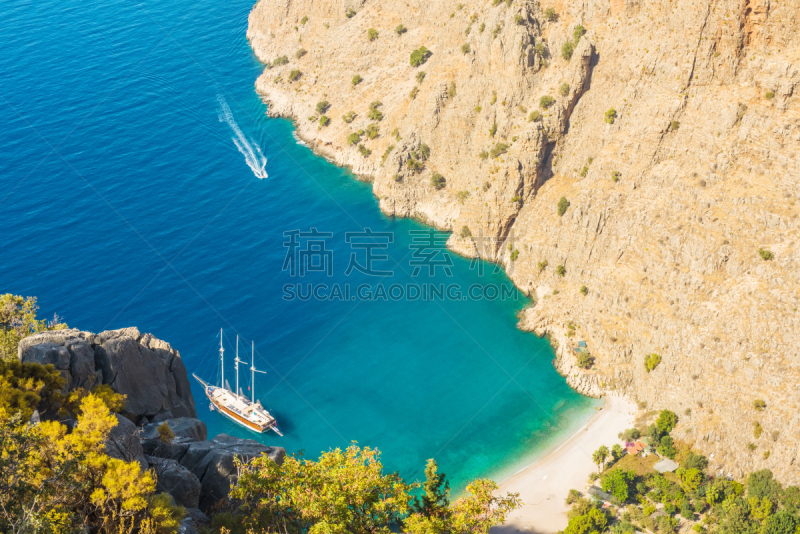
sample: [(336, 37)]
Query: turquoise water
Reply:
[(125, 201)]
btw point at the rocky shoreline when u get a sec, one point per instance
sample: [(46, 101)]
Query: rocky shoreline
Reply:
[(197, 472)]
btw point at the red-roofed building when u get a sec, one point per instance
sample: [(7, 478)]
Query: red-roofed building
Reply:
[(635, 448)]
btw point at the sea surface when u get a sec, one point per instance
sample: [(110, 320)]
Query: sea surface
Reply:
[(141, 183)]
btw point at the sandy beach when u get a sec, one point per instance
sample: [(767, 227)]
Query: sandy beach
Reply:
[(543, 486)]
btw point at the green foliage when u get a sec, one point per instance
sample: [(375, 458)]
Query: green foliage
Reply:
[(465, 233), (599, 457), (759, 404), (618, 482), (611, 116), (484, 154), (674, 125), (615, 176), (435, 492), (451, 90), (567, 49), (414, 91), (534, 116), (280, 60), (769, 95), (593, 522), (696, 461), (519, 19), (165, 433), (561, 271), (493, 129), (465, 48), (563, 89), (540, 50), (400, 29), (584, 171), (300, 53), (420, 76), (25, 387), (357, 79), (420, 56), (652, 361), (462, 196), (563, 204), (496, 31), (630, 435), (514, 255), (762, 485), (438, 181), (550, 14), (666, 421), (757, 429), (765, 254), (782, 522), (386, 153), (691, 479), (482, 27), (365, 152), (323, 107), (354, 138), (584, 290), (372, 131), (295, 75), (18, 321), (578, 32), (372, 34), (324, 120), (498, 150), (546, 101), (304, 20), (350, 13), (585, 360), (666, 447), (349, 117)]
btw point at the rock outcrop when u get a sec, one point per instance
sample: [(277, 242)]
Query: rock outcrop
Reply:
[(145, 369), (672, 130)]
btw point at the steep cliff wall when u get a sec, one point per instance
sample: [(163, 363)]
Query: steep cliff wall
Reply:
[(670, 201)]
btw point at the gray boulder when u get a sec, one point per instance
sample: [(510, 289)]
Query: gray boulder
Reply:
[(176, 480), (182, 427), (123, 442), (145, 369), (174, 451)]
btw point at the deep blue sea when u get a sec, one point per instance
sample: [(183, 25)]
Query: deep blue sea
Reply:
[(130, 147)]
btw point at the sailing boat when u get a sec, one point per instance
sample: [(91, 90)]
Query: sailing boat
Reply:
[(234, 405)]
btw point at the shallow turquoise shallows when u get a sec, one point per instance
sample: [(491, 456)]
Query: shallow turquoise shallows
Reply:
[(131, 142)]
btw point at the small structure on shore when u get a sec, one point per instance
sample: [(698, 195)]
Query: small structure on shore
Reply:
[(599, 494), (665, 466), (635, 447)]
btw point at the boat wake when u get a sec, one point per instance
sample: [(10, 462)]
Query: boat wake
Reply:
[(249, 149)]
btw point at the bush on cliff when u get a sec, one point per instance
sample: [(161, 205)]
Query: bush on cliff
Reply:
[(18, 321), (563, 204), (438, 181), (420, 56), (652, 361), (567, 49), (295, 75)]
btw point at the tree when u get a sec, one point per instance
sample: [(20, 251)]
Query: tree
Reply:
[(599, 457), (691, 479), (323, 107), (438, 181), (617, 451), (436, 490), (617, 481), (651, 362), (372, 34), (420, 56), (666, 421), (18, 321), (593, 522), (782, 522), (761, 484), (563, 204), (666, 447)]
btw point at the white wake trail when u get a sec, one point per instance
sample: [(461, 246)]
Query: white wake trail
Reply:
[(249, 149)]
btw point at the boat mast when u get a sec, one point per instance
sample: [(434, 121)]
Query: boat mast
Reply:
[(237, 360), (221, 359), (253, 369)]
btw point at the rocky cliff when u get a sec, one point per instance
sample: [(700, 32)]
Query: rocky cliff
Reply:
[(672, 129)]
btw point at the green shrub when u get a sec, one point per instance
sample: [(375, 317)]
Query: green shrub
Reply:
[(584, 290), (350, 13), (765, 254), (546, 101), (386, 153), (400, 29), (324, 120), (280, 60), (295, 75), (437, 181), (304, 20), (478, 109), (465, 233), (364, 150), (420, 76), (759, 404), (496, 31), (550, 14), (652, 361), (534, 116), (482, 27), (666, 447), (769, 95), (349, 117), (323, 107), (300, 53), (465, 48), (493, 129), (374, 113), (670, 508), (584, 171), (561, 271), (372, 34), (414, 91), (498, 150), (611, 116), (462, 196), (578, 32), (372, 131), (519, 19), (563, 90), (540, 50), (420, 56), (563, 204), (484, 154), (542, 265), (415, 165), (567, 49), (514, 255), (585, 360), (398, 178), (357, 79), (674, 125), (757, 429), (354, 138), (451, 91), (425, 151), (615, 176)]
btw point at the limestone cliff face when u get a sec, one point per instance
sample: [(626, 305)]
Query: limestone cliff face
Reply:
[(670, 200)]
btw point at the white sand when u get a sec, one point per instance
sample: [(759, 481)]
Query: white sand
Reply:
[(544, 485)]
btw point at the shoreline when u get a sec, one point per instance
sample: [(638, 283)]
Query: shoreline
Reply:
[(544, 484)]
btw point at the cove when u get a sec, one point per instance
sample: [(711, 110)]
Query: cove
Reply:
[(130, 196)]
